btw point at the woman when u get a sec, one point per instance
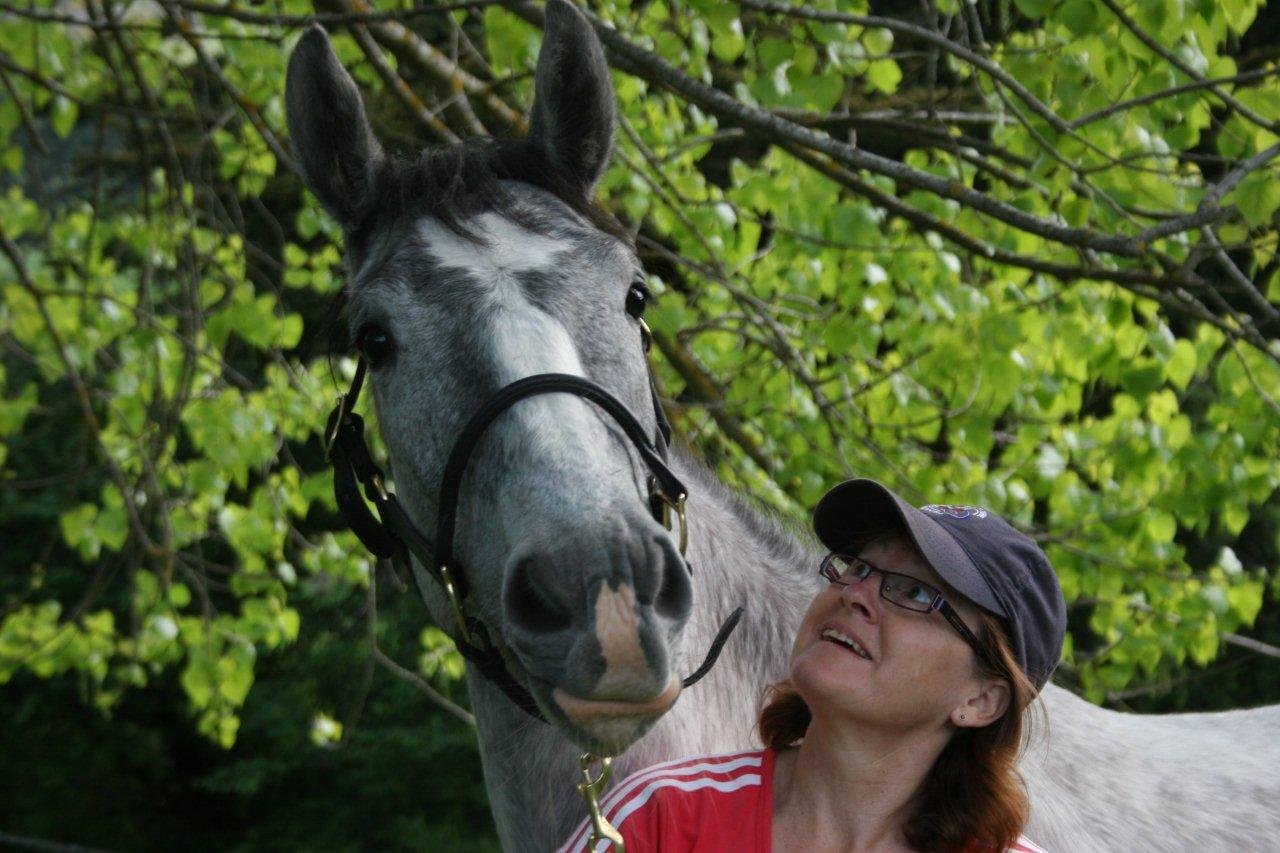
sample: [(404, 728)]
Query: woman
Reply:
[(900, 724)]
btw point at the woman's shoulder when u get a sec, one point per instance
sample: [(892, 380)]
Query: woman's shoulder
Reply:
[(645, 801)]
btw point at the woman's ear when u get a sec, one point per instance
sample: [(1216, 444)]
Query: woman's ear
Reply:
[(983, 707)]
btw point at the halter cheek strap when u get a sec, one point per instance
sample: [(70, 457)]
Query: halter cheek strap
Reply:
[(393, 535)]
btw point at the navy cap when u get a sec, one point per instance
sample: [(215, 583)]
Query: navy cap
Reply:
[(987, 561)]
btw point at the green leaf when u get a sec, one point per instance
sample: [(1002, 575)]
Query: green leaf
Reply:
[(819, 92), (1161, 526), (79, 531), (884, 75), (1257, 197), (1181, 365), (1246, 600), (1034, 8), (1079, 16)]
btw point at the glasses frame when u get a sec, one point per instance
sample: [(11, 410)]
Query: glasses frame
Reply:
[(828, 570)]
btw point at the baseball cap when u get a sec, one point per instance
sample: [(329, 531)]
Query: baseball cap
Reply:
[(976, 551)]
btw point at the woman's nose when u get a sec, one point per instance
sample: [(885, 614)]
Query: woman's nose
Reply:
[(864, 596)]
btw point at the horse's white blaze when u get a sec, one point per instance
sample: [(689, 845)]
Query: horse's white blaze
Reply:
[(525, 340), (618, 632), (508, 248)]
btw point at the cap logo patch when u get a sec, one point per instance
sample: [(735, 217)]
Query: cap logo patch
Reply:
[(956, 510)]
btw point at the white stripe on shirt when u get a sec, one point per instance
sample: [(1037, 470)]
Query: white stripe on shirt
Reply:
[(723, 785), (726, 763)]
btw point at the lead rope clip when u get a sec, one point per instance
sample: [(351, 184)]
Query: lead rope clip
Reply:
[(590, 790)]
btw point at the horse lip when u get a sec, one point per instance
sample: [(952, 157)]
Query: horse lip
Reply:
[(582, 711)]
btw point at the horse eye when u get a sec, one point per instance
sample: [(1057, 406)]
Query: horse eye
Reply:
[(637, 297), (375, 343)]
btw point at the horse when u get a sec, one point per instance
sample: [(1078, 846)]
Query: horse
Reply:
[(484, 263)]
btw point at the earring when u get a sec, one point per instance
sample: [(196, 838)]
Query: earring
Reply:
[(962, 716)]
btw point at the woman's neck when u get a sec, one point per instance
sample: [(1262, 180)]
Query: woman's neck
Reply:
[(847, 788)]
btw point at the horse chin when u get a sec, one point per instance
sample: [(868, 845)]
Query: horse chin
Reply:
[(609, 726)]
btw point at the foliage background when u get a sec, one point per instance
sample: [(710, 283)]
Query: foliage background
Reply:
[(1021, 254)]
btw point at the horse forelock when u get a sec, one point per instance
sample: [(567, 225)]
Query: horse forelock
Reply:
[(454, 183)]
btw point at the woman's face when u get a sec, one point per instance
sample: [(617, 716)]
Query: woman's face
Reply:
[(916, 670)]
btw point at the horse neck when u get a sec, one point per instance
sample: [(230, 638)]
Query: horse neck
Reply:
[(740, 556)]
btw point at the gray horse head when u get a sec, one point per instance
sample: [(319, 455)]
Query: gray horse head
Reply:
[(476, 265)]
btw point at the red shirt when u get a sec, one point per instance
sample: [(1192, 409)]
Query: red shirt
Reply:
[(700, 804)]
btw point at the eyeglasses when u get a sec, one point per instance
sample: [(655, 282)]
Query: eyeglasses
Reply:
[(902, 590)]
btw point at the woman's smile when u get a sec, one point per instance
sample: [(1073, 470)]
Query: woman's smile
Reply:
[(845, 638)]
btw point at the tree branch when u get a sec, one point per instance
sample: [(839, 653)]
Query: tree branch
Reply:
[(643, 63)]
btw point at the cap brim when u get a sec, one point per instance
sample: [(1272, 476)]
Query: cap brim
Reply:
[(856, 511)]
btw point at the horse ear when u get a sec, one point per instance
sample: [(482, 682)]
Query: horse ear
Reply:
[(331, 137), (572, 125)]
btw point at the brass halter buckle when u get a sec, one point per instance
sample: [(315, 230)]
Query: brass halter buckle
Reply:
[(446, 579), (678, 505), (590, 790)]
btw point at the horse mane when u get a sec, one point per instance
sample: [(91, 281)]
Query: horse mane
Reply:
[(452, 183)]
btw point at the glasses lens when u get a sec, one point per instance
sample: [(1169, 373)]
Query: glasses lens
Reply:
[(908, 592), (833, 568)]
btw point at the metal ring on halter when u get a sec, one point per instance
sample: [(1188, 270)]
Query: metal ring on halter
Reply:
[(646, 334), (590, 790), (678, 506), (332, 435), (446, 580), (382, 489)]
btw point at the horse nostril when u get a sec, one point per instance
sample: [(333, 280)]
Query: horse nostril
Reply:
[(528, 606), (675, 595)]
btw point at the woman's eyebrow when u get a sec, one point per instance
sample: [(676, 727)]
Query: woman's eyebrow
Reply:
[(871, 564), (936, 584)]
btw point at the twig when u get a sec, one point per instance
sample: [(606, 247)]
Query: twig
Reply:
[(428, 120), (24, 113), (647, 65), (240, 98), (1265, 308), (1236, 175), (424, 687), (1122, 106), (82, 394), (922, 34), (437, 698), (433, 62), (1176, 61), (26, 842), (1252, 645), (238, 13), (711, 396)]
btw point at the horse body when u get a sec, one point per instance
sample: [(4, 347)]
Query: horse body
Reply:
[(1104, 780), (482, 264)]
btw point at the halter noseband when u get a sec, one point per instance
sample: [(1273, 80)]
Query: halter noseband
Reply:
[(393, 535)]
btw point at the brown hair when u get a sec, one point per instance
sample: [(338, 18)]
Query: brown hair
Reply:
[(973, 794)]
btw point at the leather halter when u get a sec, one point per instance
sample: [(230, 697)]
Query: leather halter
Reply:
[(393, 535)]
